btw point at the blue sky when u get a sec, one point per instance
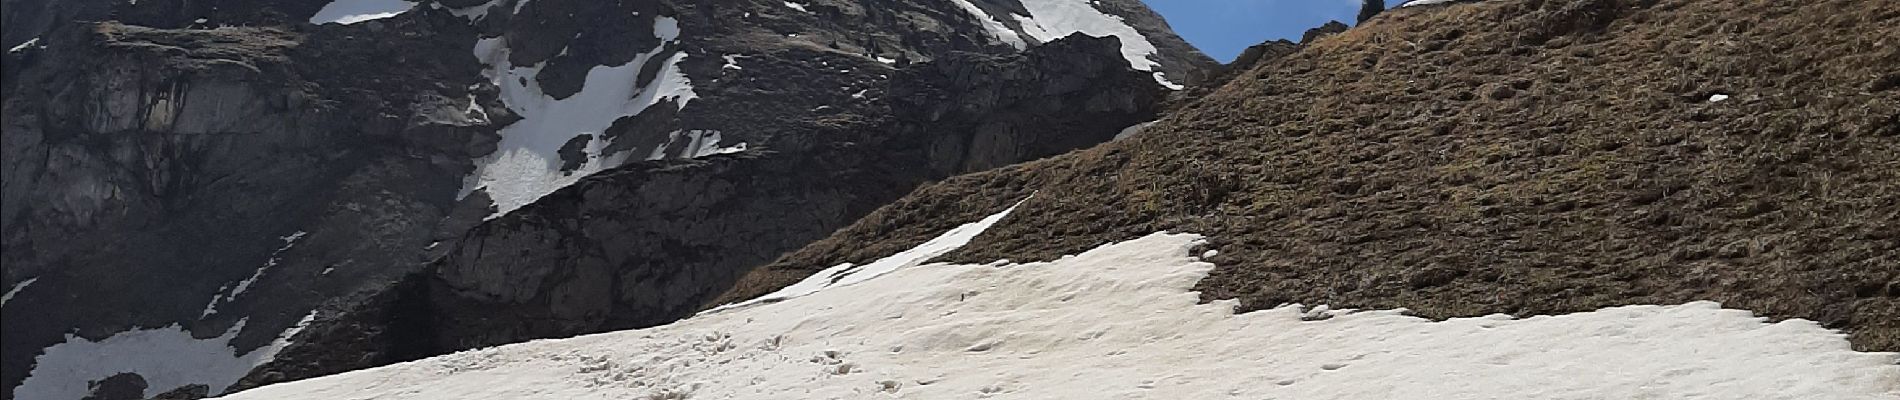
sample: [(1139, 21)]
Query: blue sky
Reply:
[(1222, 28)]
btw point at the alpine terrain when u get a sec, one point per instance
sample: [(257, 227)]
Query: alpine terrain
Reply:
[(207, 196), (1044, 199)]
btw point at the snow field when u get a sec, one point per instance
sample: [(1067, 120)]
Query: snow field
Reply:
[(1120, 322), (167, 358), (848, 273)]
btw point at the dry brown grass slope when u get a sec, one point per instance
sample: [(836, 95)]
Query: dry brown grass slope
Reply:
[(1507, 156)]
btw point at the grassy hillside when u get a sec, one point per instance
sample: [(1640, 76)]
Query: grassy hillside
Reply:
[(1506, 156)]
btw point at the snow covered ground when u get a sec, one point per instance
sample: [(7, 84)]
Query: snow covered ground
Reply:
[(1121, 322), (353, 11), (166, 358), (848, 273)]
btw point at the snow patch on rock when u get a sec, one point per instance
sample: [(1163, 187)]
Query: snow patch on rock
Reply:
[(245, 285), (527, 164), (471, 13), (994, 26), (353, 11), (29, 43), (1049, 20), (1428, 2), (1122, 321), (1132, 130), (167, 358), (694, 144), (17, 287)]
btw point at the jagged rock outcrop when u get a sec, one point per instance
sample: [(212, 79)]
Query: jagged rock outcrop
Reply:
[(980, 112), (1521, 157), (119, 386), (1331, 27), (1369, 9)]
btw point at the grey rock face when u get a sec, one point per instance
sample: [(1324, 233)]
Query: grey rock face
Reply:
[(147, 170), (985, 112), (653, 242), (118, 387)]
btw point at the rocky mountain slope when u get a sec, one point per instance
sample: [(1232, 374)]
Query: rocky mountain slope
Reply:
[(648, 244), (1524, 157), (334, 185)]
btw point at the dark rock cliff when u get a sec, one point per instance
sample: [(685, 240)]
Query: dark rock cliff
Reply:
[(146, 169), (653, 242)]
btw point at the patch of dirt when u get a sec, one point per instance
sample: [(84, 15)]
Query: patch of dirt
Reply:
[(1509, 156)]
